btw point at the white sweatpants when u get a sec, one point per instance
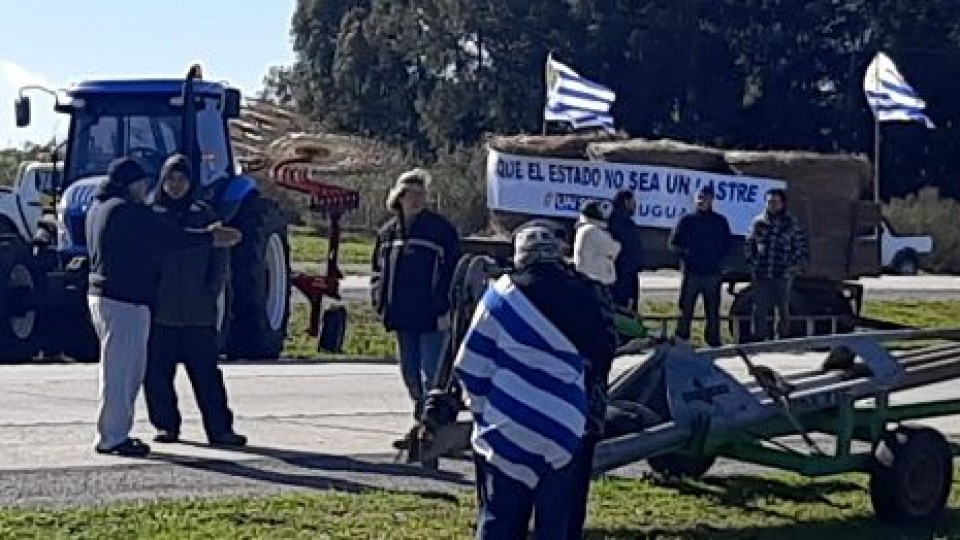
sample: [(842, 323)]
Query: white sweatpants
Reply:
[(123, 330)]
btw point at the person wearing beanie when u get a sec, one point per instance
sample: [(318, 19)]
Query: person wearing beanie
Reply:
[(126, 240), (702, 239), (185, 317), (538, 403), (629, 261), (594, 250), (414, 258)]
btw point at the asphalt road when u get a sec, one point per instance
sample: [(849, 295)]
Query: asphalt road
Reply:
[(311, 425)]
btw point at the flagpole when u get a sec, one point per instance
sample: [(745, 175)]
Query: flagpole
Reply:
[(876, 145), (546, 82), (876, 161)]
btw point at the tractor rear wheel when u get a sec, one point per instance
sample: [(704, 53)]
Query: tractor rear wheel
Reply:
[(260, 282)]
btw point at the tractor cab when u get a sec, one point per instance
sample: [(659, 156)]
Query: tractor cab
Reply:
[(147, 120)]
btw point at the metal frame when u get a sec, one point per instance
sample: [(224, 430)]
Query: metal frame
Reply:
[(714, 415)]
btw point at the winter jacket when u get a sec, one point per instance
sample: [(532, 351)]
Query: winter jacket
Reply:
[(625, 231), (582, 311), (413, 265), (702, 240), (776, 246), (126, 243), (191, 278), (595, 251)]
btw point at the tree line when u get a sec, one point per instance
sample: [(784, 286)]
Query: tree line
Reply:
[(432, 75)]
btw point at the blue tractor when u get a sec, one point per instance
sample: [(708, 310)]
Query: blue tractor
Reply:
[(149, 120)]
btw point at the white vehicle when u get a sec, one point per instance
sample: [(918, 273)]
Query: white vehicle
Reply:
[(22, 204), (902, 254)]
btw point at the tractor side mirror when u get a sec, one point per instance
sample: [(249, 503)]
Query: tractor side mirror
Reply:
[(231, 103), (22, 110)]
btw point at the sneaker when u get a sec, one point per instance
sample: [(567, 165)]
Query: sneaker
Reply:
[(128, 448), (230, 439), (167, 437)]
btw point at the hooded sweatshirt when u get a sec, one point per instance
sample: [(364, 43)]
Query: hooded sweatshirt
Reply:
[(191, 278), (595, 251), (127, 241)]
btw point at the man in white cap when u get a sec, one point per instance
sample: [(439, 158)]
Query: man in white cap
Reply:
[(534, 365), (414, 258)]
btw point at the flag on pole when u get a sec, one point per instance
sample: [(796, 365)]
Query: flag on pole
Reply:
[(576, 100), (889, 95)]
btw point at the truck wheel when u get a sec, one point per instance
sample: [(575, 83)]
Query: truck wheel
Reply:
[(20, 284), (912, 476), (260, 282), (906, 263)]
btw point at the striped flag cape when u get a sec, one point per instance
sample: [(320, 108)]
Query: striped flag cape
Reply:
[(889, 95), (525, 383), (576, 100)]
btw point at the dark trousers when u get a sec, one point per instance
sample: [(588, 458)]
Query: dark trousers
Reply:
[(626, 290), (772, 294), (558, 504), (196, 347), (692, 287)]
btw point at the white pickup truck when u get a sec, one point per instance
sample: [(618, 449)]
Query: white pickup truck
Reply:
[(902, 254), (22, 204)]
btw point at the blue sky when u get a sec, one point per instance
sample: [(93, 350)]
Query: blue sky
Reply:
[(60, 42)]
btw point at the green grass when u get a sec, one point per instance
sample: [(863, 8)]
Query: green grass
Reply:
[(775, 507), (367, 338), (309, 246)]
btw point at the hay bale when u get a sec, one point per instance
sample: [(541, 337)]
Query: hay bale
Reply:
[(662, 152), (573, 146), (814, 177)]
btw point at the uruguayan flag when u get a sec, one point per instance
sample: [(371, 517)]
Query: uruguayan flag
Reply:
[(889, 95), (578, 101), (525, 383)]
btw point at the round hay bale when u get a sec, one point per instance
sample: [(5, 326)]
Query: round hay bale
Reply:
[(808, 175), (662, 152), (573, 146)]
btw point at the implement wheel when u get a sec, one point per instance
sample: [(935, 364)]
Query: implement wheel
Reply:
[(678, 466), (912, 476)]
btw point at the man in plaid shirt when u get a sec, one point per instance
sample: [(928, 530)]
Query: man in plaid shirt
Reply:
[(777, 250)]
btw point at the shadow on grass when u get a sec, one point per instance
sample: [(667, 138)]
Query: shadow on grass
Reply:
[(314, 465), (743, 493), (856, 528)]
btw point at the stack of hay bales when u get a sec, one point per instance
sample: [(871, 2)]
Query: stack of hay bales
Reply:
[(824, 191)]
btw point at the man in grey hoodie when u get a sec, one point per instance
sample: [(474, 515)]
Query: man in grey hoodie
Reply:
[(185, 317)]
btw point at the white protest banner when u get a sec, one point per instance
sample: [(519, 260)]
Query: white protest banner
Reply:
[(559, 188)]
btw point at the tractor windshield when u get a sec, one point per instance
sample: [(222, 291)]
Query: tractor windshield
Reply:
[(148, 129), (105, 128)]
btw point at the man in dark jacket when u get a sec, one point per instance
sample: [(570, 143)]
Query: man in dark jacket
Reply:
[(414, 258), (185, 317), (126, 242), (566, 318), (702, 239), (630, 259), (777, 250)]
